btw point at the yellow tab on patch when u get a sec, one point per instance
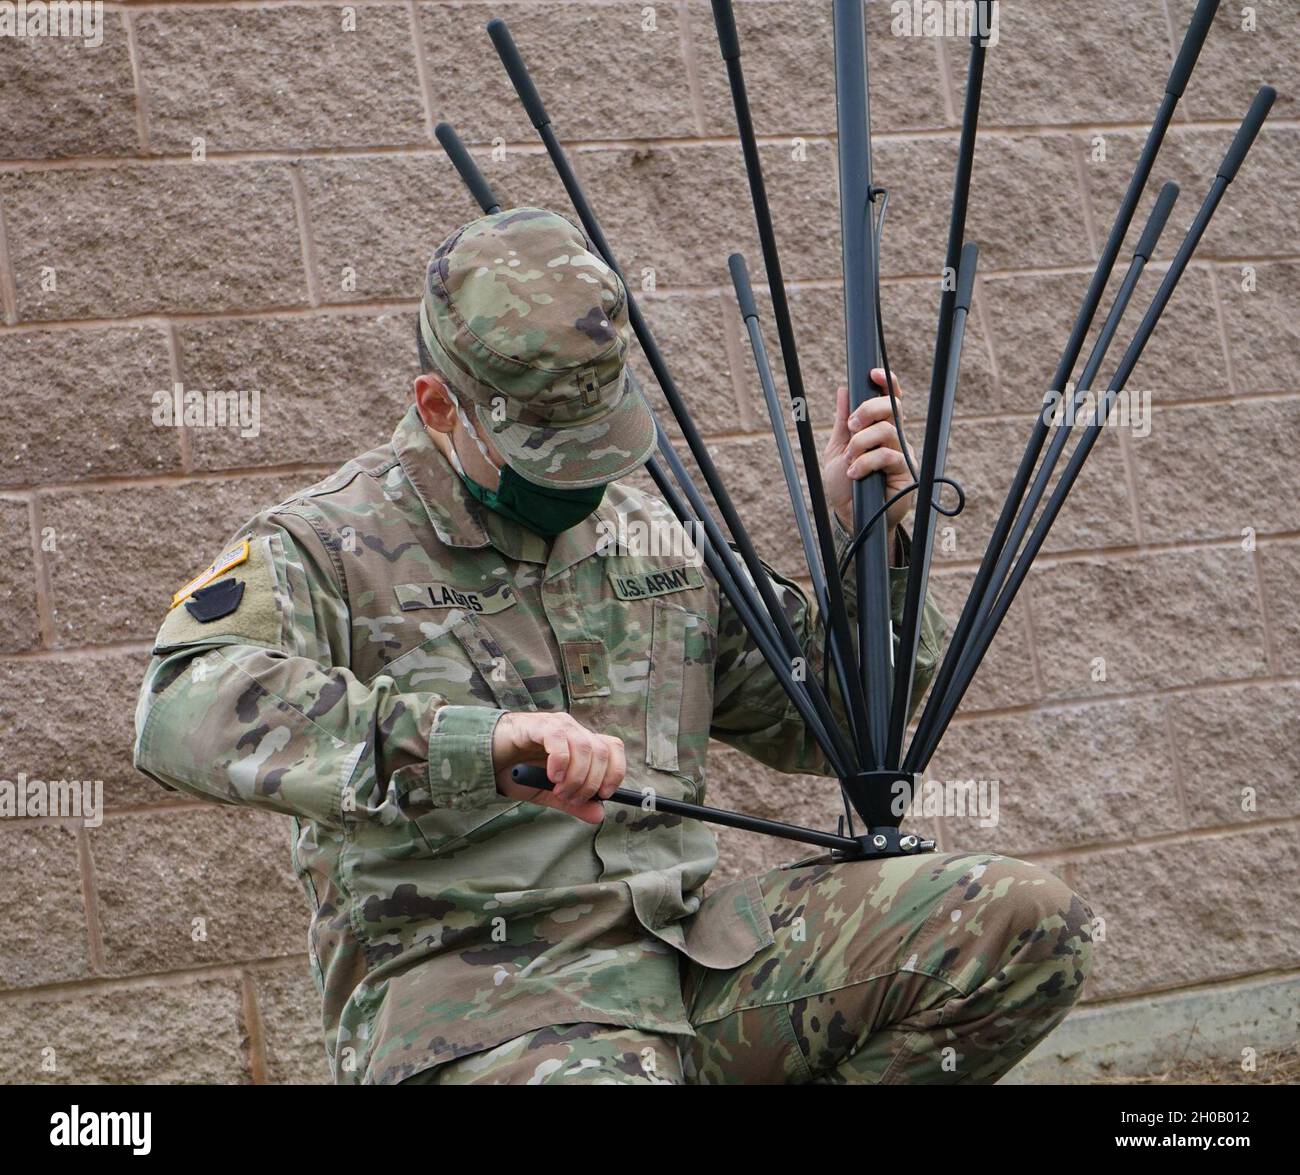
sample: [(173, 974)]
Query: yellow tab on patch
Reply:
[(219, 566)]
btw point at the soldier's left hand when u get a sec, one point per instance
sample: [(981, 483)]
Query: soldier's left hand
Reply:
[(863, 443)]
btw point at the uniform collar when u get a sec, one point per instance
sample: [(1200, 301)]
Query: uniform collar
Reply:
[(460, 521), (454, 514)]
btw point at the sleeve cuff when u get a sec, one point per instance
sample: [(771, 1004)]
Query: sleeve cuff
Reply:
[(461, 775)]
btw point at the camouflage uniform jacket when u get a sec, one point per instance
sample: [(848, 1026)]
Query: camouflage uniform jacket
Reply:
[(384, 624)]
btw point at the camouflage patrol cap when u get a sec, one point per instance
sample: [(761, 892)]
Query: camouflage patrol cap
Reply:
[(530, 327)]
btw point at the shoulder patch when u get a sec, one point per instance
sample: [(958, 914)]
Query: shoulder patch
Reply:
[(243, 609), (215, 601)]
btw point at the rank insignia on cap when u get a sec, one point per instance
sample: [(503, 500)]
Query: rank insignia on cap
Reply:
[(219, 566), (214, 602), (589, 386)]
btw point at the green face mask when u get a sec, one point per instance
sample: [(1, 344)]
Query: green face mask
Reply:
[(544, 511)]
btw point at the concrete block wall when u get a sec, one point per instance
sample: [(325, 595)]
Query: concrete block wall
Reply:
[(234, 195)]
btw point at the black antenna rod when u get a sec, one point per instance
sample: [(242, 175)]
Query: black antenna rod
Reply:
[(466, 168), (862, 346), (1241, 144), (749, 314), (530, 775), (1141, 255), (1193, 42), (937, 421), (820, 558)]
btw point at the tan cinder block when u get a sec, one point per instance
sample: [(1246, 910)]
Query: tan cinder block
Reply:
[(299, 76), (44, 937), (63, 98), (1054, 63), (79, 405), (818, 315), (1027, 181), (911, 313), (1006, 675), (120, 553), (1242, 449), (1259, 316), (740, 783), (691, 331), (1192, 911), (762, 501), (328, 387), (1240, 58), (1238, 753), (984, 455), (736, 781), (1032, 316), (1173, 618), (139, 240), (1280, 572), (1084, 776), (145, 1034), (787, 50), (522, 176), (291, 1024), (184, 889), (673, 210), (20, 626), (1256, 217), (376, 222), (72, 717), (602, 71)]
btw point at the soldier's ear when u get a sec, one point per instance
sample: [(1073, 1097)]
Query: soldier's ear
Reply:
[(434, 403)]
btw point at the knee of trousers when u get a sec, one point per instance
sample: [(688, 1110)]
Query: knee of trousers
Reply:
[(1032, 920)]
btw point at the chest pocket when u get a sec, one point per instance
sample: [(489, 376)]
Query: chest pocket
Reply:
[(465, 664), (494, 667), (678, 697)]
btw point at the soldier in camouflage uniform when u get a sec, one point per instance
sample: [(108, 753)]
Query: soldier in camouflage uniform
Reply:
[(371, 656)]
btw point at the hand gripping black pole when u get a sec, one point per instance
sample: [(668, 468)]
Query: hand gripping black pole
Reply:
[(862, 351), (820, 558)]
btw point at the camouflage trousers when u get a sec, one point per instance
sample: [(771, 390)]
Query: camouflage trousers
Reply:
[(931, 969)]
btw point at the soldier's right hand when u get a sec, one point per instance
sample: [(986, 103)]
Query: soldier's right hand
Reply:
[(584, 766)]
